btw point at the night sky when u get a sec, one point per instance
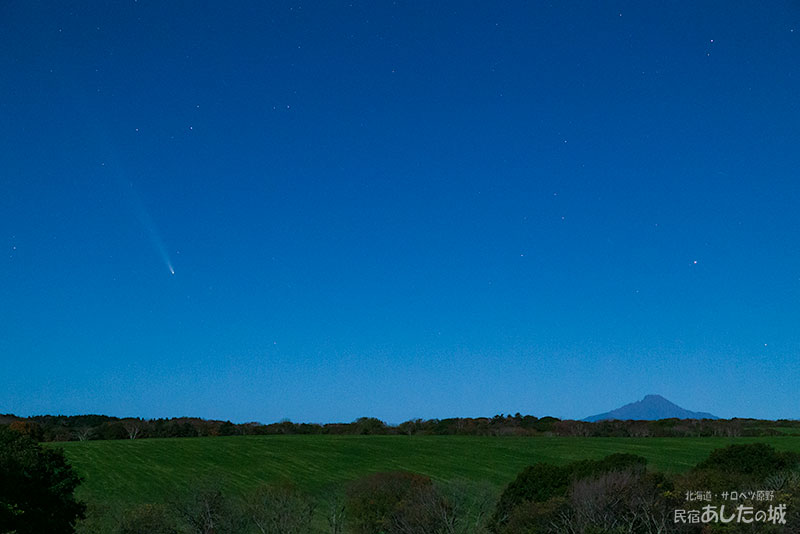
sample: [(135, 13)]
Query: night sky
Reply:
[(327, 210)]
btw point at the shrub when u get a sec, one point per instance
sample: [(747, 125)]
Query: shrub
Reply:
[(757, 460), (541, 482)]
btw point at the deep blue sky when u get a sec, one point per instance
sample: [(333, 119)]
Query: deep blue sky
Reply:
[(407, 209)]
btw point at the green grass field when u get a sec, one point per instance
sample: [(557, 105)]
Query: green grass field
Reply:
[(118, 473)]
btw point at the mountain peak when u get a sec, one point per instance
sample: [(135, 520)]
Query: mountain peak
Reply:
[(650, 408)]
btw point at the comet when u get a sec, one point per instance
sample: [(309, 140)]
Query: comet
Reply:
[(152, 230)]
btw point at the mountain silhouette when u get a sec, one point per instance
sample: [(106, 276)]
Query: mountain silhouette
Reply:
[(650, 408)]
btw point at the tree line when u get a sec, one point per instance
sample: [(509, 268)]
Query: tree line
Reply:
[(101, 427)]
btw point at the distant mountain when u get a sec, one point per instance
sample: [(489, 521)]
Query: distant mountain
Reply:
[(650, 408)]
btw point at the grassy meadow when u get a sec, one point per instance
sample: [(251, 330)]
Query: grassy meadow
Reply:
[(123, 472)]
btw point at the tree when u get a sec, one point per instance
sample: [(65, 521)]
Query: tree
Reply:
[(423, 511), (147, 519), (454, 507), (536, 517), (336, 514), (84, 433), (369, 425), (28, 428), (470, 505), (36, 488), (207, 511), (279, 510), (536, 483), (620, 501), (112, 430), (408, 503), (132, 427), (375, 501), (227, 429)]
